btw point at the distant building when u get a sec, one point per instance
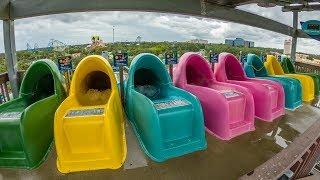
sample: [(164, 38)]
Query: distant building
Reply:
[(239, 42), (287, 47), (229, 42), (249, 44), (198, 41)]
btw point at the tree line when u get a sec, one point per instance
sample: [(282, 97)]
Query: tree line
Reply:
[(25, 57)]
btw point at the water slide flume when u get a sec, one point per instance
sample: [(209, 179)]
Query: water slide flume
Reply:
[(268, 95), (228, 109), (274, 68), (89, 124), (288, 67), (26, 123), (167, 121), (255, 68)]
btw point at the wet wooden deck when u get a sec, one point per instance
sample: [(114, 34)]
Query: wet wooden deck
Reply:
[(221, 160), (298, 158)]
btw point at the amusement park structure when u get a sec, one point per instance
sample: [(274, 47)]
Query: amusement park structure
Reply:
[(138, 40), (53, 45), (32, 49), (56, 45), (294, 160), (96, 41)]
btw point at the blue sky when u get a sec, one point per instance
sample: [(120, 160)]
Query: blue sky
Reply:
[(76, 28)]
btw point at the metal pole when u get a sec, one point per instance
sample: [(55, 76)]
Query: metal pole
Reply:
[(121, 83), (171, 71), (294, 36), (113, 34), (240, 55), (11, 56)]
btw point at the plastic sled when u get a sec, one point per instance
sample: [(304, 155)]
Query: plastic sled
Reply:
[(26, 123), (168, 121), (268, 95), (273, 67), (254, 68), (228, 109), (288, 67), (89, 124)]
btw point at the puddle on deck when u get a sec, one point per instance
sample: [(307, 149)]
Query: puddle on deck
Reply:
[(221, 160)]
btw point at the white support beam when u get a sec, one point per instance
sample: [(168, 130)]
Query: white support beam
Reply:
[(16, 9), (10, 54), (294, 35), (201, 8)]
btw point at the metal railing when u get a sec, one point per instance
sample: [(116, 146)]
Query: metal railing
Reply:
[(296, 161), (5, 91), (307, 68)]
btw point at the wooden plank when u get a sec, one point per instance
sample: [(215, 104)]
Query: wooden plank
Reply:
[(309, 162), (295, 168), (312, 160), (304, 159), (288, 157)]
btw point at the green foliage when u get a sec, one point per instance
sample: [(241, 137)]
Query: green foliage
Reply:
[(25, 58), (3, 67)]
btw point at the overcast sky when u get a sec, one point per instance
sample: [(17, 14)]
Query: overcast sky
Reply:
[(77, 28)]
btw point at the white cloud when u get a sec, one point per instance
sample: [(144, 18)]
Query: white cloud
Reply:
[(77, 28)]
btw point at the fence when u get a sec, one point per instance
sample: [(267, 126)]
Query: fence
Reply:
[(5, 90), (307, 68), (296, 161)]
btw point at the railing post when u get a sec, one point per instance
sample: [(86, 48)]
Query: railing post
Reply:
[(121, 83), (10, 54), (171, 71), (294, 36)]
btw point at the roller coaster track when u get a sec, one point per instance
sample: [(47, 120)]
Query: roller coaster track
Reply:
[(56, 45)]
